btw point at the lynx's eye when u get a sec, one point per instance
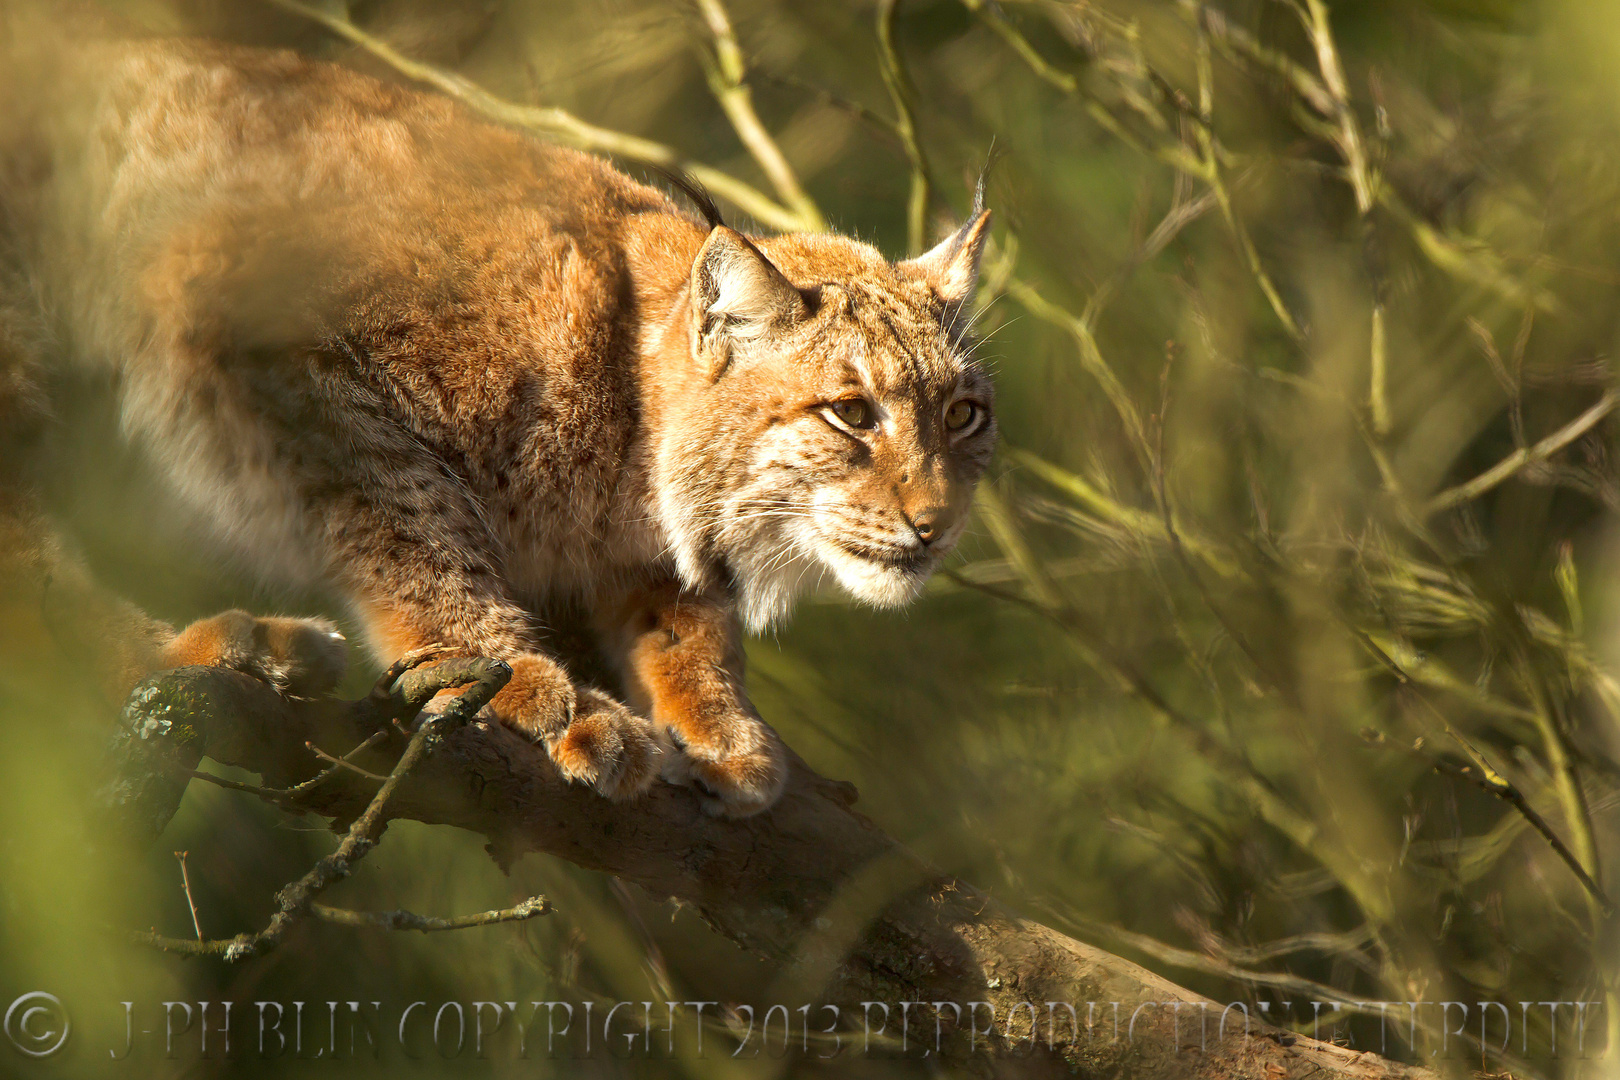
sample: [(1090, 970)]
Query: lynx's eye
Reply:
[(853, 412), (960, 415)]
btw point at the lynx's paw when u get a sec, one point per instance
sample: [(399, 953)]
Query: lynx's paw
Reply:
[(592, 738), (740, 773), (608, 747), (298, 656)]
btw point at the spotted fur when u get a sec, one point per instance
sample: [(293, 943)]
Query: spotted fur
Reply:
[(455, 373)]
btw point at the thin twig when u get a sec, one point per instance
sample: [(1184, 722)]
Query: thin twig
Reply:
[(1492, 781), (343, 762), (1180, 215), (1205, 134), (185, 883), (1568, 785), (1487, 777), (282, 798), (657, 968), (406, 920), (301, 790), (990, 14), (905, 125), (1314, 17), (875, 120), (1091, 359)]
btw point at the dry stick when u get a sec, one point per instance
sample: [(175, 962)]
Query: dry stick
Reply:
[(899, 84), (558, 123), (288, 798), (1519, 459), (293, 901), (725, 74), (406, 920)]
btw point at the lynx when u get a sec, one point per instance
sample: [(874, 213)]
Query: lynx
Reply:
[(461, 375)]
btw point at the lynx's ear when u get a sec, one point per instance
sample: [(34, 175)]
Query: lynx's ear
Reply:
[(738, 296), (951, 268)]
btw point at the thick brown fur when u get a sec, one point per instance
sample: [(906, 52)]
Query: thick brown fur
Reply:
[(459, 374)]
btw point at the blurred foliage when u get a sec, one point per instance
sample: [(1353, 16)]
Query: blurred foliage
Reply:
[(1290, 610)]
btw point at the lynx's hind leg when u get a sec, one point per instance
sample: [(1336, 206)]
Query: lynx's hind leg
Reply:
[(44, 587), (305, 657)]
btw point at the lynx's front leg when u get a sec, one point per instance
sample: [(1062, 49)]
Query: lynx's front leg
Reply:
[(590, 737), (684, 666)]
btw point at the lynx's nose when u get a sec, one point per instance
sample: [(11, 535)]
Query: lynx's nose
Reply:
[(930, 523)]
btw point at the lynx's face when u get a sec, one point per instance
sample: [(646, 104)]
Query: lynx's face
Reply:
[(841, 426)]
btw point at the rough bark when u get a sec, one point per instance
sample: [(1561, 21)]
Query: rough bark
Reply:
[(847, 912)]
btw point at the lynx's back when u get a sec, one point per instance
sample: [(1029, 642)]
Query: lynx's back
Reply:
[(229, 226)]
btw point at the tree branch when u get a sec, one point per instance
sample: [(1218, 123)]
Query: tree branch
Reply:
[(812, 884)]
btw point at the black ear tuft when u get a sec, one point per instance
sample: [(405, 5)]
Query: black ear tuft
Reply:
[(699, 195), (990, 158)]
